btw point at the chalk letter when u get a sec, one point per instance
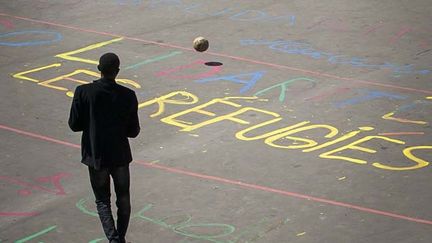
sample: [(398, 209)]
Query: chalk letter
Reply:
[(353, 146), (340, 139), (48, 83), (21, 74), (407, 152), (240, 134), (389, 116), (68, 55), (188, 126), (308, 142), (185, 99)]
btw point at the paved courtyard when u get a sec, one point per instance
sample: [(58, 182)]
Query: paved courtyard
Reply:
[(305, 121)]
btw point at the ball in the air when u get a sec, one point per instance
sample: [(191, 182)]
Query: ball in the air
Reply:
[(200, 44)]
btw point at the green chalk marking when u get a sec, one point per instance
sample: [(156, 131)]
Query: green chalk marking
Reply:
[(179, 228), (159, 58), (228, 229), (80, 206), (284, 87), (97, 240), (36, 234)]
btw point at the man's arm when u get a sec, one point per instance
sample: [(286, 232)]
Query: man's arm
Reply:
[(76, 119), (133, 127)]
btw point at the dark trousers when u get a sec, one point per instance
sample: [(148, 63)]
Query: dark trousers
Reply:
[(100, 182)]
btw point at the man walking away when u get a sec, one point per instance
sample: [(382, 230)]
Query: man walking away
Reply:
[(107, 114)]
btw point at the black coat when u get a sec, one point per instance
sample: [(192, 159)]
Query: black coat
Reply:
[(107, 114)]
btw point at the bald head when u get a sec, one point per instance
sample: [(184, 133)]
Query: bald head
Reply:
[(109, 65)]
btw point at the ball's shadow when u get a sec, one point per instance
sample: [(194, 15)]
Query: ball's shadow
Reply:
[(213, 64)]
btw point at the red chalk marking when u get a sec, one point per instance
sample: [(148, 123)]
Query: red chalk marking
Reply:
[(206, 74), (11, 214), (401, 33), (39, 136), (242, 184), (400, 133), (310, 72)]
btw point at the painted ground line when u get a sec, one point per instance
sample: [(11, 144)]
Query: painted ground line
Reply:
[(34, 135), (238, 183), (285, 193), (278, 66)]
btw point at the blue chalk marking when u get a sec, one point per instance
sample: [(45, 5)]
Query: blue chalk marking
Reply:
[(370, 95), (293, 20), (193, 6), (280, 18), (248, 83), (237, 16), (156, 3), (243, 15), (406, 107), (56, 37), (306, 49), (125, 2), (222, 12)]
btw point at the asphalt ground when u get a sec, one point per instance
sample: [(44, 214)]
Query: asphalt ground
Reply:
[(305, 121)]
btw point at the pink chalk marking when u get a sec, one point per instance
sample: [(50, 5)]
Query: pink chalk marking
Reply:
[(209, 73), (400, 133), (373, 29), (336, 24), (20, 214), (317, 23), (339, 25), (243, 184), (7, 24), (424, 44), (55, 180), (401, 33), (278, 66)]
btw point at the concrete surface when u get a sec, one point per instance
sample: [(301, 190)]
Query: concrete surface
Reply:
[(324, 67)]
